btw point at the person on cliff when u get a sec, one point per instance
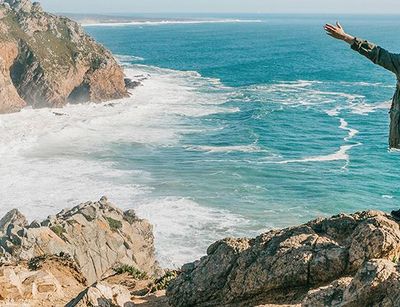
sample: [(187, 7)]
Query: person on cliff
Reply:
[(386, 59)]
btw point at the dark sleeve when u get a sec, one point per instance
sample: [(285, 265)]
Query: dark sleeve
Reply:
[(378, 55)]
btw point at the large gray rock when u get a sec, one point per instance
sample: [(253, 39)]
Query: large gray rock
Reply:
[(97, 235), (281, 266)]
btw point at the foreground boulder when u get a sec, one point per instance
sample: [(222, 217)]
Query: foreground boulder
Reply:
[(289, 266), (48, 61), (97, 235)]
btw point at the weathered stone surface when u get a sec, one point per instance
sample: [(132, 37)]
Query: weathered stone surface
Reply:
[(331, 295), (48, 61), (377, 283), (13, 217), (103, 295), (57, 280), (281, 266), (97, 235)]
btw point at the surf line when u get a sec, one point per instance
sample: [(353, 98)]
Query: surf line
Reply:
[(341, 154)]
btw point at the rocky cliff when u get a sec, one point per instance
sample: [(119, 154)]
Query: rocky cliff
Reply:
[(97, 255), (97, 235), (48, 61), (347, 260)]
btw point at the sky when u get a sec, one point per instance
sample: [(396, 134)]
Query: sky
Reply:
[(223, 6)]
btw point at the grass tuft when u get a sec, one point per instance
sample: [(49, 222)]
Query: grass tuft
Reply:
[(114, 224), (132, 271)]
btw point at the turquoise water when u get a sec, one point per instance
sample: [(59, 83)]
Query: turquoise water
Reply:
[(239, 127), (284, 75)]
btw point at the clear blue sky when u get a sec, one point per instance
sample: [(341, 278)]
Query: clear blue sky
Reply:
[(220, 6)]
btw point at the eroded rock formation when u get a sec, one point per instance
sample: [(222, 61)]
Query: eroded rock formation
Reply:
[(48, 61), (346, 260), (97, 235), (97, 255)]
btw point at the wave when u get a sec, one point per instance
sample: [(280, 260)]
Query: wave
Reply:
[(341, 154), (345, 126), (179, 241), (128, 59), (169, 22), (226, 149), (301, 93), (53, 161), (366, 108)]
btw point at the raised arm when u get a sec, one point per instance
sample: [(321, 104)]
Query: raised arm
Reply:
[(376, 54)]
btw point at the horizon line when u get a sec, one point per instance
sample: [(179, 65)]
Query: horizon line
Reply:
[(233, 13)]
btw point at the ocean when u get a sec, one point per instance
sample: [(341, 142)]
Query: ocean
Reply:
[(242, 124)]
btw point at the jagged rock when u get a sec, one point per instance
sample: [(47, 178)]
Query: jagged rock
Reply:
[(48, 61), (20, 5), (103, 295), (281, 266), (13, 217), (331, 295), (131, 84), (97, 235), (377, 283)]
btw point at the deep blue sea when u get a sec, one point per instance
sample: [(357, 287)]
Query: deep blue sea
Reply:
[(240, 126)]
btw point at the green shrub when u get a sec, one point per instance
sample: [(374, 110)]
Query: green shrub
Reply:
[(163, 282), (114, 224), (132, 271), (58, 230)]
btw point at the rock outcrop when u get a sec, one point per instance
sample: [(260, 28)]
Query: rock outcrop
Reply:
[(97, 255), (97, 235), (346, 260), (48, 61), (43, 280)]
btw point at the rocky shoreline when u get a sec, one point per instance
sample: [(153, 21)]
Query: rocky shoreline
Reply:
[(49, 61), (97, 255)]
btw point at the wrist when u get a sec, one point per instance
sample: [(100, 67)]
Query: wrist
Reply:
[(348, 39)]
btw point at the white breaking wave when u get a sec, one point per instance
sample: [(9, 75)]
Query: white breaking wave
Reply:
[(341, 154), (128, 58), (366, 108), (226, 149), (302, 93), (169, 22), (345, 126), (52, 159), (184, 221)]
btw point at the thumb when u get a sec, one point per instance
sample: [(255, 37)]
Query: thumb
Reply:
[(339, 25)]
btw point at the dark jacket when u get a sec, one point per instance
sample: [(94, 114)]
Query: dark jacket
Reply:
[(390, 61)]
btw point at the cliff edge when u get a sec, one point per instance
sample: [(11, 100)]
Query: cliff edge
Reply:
[(48, 61), (96, 255), (346, 260)]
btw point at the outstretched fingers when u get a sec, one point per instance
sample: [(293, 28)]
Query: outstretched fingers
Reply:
[(330, 27)]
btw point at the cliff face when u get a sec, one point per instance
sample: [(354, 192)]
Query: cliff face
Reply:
[(48, 61), (347, 260), (97, 235), (342, 261)]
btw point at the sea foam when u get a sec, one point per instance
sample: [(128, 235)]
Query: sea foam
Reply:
[(52, 159)]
